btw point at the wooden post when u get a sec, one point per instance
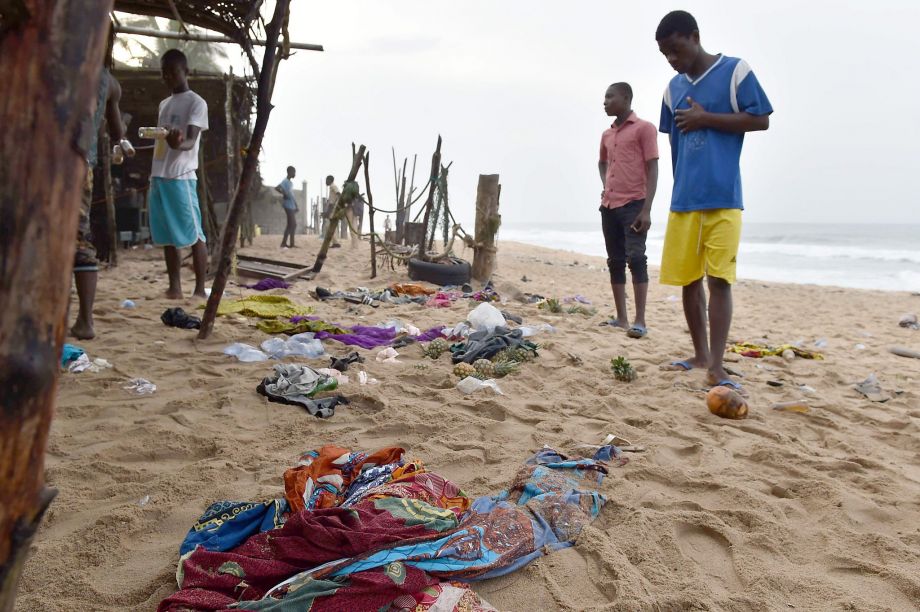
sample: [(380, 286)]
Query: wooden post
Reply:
[(110, 223), (51, 52), (370, 212), (487, 222), (263, 110), (335, 215), (401, 207), (435, 166)]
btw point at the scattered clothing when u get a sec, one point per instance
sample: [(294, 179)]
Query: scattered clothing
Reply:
[(412, 289), (750, 349), (263, 306), (227, 524), (341, 363), (297, 384), (374, 532), (69, 353), (269, 283), (485, 344), (176, 317)]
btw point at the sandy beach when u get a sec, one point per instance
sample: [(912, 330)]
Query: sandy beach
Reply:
[(815, 511)]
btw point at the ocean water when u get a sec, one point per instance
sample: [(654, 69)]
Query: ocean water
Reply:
[(885, 257)]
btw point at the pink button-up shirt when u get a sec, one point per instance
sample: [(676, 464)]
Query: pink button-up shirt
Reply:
[(626, 149)]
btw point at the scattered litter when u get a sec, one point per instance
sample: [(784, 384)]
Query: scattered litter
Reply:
[(909, 321), (297, 385), (486, 317), (364, 379), (176, 317), (860, 347), (808, 390), (140, 386), (388, 355), (821, 343), (300, 345), (512, 317), (339, 376), (775, 383), (70, 353), (799, 406), (128, 304), (615, 440), (84, 364), (901, 351), (245, 352), (471, 384), (789, 355), (726, 403), (872, 389), (341, 363), (576, 298), (528, 330), (143, 501), (672, 298), (269, 283)]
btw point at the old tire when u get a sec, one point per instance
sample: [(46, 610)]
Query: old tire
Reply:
[(451, 271)]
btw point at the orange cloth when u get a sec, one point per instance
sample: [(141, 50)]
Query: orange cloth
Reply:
[(331, 468), (412, 289)]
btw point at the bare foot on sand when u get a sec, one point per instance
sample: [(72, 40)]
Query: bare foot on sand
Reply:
[(173, 294), (82, 331), (199, 295), (683, 365)]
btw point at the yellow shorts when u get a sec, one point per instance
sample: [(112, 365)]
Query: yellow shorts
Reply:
[(701, 242)]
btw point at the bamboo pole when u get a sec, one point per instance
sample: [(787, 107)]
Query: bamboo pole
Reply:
[(336, 214), (210, 38), (263, 110), (51, 52)]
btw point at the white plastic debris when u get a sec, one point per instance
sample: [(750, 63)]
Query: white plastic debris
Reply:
[(471, 384), (527, 330), (128, 304), (245, 352), (140, 386), (485, 316), (341, 377), (388, 355), (364, 379)]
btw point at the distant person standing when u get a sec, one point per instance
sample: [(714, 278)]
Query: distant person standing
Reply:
[(334, 194), (175, 218), (289, 204), (629, 171), (707, 108)]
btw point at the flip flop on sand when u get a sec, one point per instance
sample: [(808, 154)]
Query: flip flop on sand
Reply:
[(637, 331), (732, 385), (677, 366)]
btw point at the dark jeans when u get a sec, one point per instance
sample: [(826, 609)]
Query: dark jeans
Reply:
[(623, 244), (291, 227)]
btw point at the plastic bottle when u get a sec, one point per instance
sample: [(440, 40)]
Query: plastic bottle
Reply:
[(118, 156), (152, 132), (794, 406), (126, 147)]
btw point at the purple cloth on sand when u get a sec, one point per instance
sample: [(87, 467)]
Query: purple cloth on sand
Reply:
[(269, 283)]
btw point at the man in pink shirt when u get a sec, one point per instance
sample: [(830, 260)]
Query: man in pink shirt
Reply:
[(629, 170)]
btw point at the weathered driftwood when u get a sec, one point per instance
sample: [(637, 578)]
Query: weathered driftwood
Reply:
[(370, 212), (487, 223), (263, 110), (336, 214), (50, 55), (432, 185)]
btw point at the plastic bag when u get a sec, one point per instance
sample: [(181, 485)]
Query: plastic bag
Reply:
[(245, 353), (140, 386), (528, 331), (486, 316), (388, 355), (471, 384), (300, 347)]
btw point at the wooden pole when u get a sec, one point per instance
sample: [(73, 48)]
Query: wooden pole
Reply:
[(211, 38), (411, 191), (401, 208), (370, 212), (110, 223), (435, 166), (487, 222), (335, 215), (263, 110), (51, 52)]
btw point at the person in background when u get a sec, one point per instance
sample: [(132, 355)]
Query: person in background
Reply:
[(628, 166), (289, 204)]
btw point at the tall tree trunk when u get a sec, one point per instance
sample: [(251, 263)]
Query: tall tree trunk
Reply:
[(263, 110), (487, 222), (51, 53)]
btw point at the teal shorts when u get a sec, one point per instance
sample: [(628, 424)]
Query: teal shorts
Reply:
[(175, 218)]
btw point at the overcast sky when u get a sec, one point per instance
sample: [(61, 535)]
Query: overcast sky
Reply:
[(516, 88)]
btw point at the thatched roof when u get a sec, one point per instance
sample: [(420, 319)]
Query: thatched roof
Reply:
[(232, 18)]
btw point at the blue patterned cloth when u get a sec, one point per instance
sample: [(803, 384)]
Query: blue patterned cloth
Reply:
[(227, 524)]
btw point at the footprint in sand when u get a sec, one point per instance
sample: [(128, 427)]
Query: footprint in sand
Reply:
[(711, 551)]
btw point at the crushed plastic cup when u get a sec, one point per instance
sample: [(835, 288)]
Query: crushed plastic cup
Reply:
[(128, 304), (799, 406), (140, 386), (528, 330), (364, 379), (245, 353), (388, 355), (471, 384), (485, 316), (143, 501)]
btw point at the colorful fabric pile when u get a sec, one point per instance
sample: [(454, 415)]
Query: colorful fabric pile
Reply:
[(750, 349), (380, 532)]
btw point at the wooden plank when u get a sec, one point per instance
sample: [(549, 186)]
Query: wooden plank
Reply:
[(259, 267)]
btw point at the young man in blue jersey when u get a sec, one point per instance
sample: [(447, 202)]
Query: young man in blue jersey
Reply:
[(707, 108)]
